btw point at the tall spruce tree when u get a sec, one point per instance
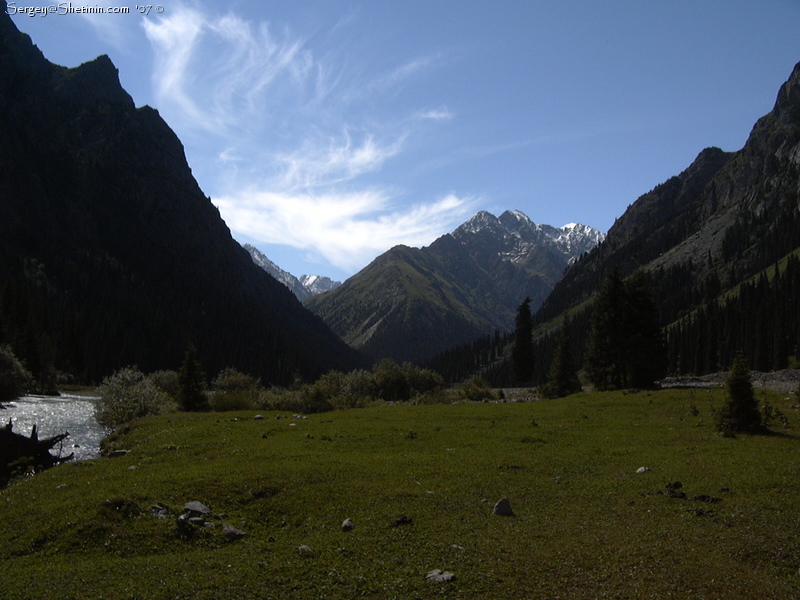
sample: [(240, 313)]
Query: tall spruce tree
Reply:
[(626, 346), (192, 383), (522, 351), (563, 378), (645, 348), (605, 360), (740, 412)]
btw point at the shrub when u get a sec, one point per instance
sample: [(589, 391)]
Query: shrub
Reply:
[(234, 390), (276, 398), (167, 382), (128, 394), (475, 390), (14, 377)]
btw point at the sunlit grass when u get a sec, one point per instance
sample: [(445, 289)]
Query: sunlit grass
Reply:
[(586, 525)]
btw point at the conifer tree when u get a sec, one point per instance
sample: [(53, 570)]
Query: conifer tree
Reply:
[(626, 346), (645, 349), (605, 363), (191, 394), (522, 351), (740, 412), (563, 378)]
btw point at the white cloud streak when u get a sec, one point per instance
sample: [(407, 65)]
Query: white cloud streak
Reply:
[(290, 138), (347, 229), (214, 74)]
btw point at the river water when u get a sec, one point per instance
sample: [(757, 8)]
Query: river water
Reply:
[(54, 415)]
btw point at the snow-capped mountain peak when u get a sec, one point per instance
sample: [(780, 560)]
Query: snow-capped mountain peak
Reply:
[(515, 235), (303, 288)]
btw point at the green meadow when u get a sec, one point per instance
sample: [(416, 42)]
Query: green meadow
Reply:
[(586, 524)]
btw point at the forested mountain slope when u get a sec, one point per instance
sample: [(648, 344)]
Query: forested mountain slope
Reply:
[(702, 236)]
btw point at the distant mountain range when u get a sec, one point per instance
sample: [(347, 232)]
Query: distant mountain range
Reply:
[(111, 255), (411, 303), (304, 287)]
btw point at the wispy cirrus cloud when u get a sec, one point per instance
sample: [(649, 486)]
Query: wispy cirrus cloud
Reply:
[(348, 229), (214, 73), (296, 135), (311, 166), (435, 114)]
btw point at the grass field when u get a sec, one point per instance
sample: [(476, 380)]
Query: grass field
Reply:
[(586, 525)]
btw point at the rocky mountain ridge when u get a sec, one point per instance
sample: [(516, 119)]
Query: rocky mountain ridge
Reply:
[(303, 287), (720, 243), (411, 303)]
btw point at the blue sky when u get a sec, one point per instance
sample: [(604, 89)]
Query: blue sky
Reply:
[(328, 131)]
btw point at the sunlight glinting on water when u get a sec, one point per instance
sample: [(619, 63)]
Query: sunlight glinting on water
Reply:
[(56, 415)]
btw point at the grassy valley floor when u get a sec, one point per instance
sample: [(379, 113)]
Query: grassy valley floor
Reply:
[(586, 524)]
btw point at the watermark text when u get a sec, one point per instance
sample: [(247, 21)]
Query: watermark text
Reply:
[(67, 8)]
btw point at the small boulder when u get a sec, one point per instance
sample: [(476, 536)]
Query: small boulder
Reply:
[(503, 508), (641, 470), (304, 550), (439, 576), (348, 525), (232, 533), (197, 508)]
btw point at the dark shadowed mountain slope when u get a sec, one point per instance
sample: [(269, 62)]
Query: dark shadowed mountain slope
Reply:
[(702, 236), (410, 304), (110, 254)]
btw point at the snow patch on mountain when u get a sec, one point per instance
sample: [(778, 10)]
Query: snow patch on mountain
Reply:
[(515, 235), (317, 284), (303, 288)]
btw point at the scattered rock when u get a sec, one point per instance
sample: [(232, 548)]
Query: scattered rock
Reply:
[(159, 511), (304, 550), (674, 494), (258, 418), (118, 453), (402, 520), (196, 508), (232, 533), (706, 498), (348, 525), (439, 576), (641, 470), (457, 547), (674, 486), (503, 508), (724, 489)]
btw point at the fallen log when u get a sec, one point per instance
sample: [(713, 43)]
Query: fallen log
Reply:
[(20, 454)]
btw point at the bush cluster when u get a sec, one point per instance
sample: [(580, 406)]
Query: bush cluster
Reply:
[(130, 394), (14, 377), (388, 382)]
